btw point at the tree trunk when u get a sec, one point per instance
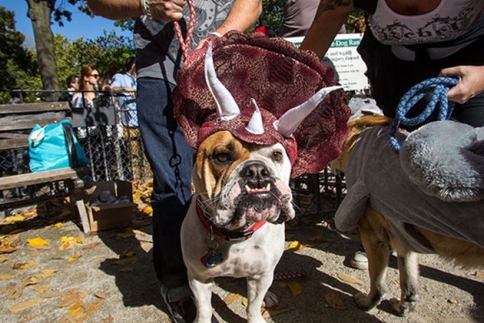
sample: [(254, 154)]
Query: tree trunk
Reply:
[(40, 13)]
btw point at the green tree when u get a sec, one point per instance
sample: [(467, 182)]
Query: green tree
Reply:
[(16, 63), (107, 53)]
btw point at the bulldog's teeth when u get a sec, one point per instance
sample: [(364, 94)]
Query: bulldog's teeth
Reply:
[(255, 190)]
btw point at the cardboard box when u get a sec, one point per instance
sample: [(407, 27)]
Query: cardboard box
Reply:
[(106, 216)]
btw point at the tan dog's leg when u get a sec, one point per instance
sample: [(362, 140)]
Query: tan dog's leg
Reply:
[(378, 253), (408, 270)]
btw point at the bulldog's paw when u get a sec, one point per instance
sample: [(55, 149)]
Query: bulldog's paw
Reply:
[(270, 300)]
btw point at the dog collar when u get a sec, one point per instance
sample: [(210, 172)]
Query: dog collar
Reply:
[(227, 234)]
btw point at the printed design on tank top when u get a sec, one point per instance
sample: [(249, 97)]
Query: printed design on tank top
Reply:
[(437, 29)]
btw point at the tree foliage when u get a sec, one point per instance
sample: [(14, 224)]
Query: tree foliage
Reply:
[(16, 63)]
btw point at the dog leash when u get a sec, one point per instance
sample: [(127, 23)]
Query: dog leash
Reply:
[(438, 88), (185, 41)]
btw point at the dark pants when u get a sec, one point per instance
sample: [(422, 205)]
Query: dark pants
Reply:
[(390, 78), (171, 159)]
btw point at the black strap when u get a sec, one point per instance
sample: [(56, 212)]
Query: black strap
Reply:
[(71, 148)]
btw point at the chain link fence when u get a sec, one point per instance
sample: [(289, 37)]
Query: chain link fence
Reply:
[(110, 137)]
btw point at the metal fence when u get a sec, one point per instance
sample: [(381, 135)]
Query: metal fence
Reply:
[(110, 139)]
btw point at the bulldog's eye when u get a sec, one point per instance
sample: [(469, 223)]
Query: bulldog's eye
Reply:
[(277, 156), (222, 158)]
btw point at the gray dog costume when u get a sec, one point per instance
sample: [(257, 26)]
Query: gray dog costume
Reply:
[(436, 182)]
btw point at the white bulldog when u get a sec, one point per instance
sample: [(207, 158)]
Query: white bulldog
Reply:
[(235, 224)]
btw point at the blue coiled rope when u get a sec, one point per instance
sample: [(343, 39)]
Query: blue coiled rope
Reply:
[(438, 87)]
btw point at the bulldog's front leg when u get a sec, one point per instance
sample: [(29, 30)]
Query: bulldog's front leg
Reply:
[(257, 288), (202, 291)]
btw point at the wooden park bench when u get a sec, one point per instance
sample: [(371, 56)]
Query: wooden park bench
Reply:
[(16, 122)]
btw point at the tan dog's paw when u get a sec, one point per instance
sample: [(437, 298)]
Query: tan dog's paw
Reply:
[(366, 302)]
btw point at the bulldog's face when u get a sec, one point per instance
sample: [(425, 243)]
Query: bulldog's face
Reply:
[(240, 183)]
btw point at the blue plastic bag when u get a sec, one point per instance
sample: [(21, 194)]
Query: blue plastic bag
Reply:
[(48, 147)]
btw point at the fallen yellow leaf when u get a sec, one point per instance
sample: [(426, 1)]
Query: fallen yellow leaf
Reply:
[(46, 273), (295, 288), (26, 305), (231, 298), (67, 243), (333, 300), (14, 218), (41, 288), (245, 301), (125, 261), (58, 224), (295, 245), (91, 245), (23, 265), (37, 242), (3, 259), (79, 240), (125, 235), (100, 295), (50, 295), (5, 276), (7, 249), (65, 213), (349, 279), (74, 309), (71, 259), (479, 274)]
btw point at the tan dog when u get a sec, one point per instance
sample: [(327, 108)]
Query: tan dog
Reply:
[(379, 237)]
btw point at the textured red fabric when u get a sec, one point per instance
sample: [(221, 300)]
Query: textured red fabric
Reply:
[(279, 77)]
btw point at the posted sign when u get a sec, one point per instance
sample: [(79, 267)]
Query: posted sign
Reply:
[(342, 55)]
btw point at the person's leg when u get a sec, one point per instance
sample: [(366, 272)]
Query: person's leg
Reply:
[(171, 159)]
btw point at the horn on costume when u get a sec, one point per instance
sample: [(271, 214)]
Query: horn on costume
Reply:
[(255, 125), (227, 108), (291, 119)]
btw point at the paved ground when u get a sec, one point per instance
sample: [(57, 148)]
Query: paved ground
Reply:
[(109, 278)]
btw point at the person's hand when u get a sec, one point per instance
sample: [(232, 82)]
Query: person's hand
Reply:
[(132, 92), (471, 82), (167, 9), (201, 42)]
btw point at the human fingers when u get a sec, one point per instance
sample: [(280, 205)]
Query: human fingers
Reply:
[(166, 9), (471, 82)]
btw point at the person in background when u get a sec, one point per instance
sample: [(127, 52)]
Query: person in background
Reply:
[(158, 58), (298, 16), (124, 85), (16, 96), (411, 41), (72, 83), (88, 84), (105, 83)]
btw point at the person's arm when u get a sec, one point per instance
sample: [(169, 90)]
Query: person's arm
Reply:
[(242, 16), (120, 9), (329, 18), (471, 82)]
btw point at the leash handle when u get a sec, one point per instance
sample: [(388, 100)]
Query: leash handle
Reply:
[(438, 87), (185, 41)]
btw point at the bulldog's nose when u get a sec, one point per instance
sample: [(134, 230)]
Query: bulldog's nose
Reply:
[(256, 173)]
